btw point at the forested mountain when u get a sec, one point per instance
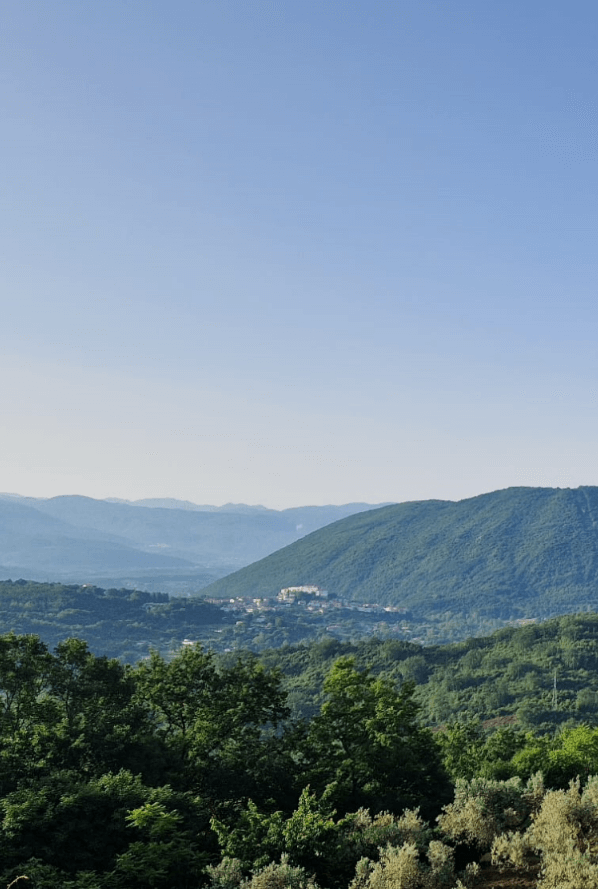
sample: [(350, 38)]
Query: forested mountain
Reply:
[(156, 546), (520, 552)]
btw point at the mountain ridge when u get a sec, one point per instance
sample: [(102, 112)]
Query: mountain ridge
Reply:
[(76, 539), (517, 552)]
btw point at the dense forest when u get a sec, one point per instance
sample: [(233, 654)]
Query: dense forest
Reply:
[(368, 764), (538, 676), (121, 623), (193, 771)]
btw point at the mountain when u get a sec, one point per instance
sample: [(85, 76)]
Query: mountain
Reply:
[(114, 543), (519, 552), (30, 539), (173, 503)]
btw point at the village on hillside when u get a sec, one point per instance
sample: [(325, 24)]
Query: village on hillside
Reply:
[(306, 612)]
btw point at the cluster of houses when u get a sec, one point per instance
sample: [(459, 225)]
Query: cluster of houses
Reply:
[(308, 595)]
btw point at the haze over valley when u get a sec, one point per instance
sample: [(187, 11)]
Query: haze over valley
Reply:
[(160, 545)]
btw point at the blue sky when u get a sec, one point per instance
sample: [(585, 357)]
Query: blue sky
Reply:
[(298, 252)]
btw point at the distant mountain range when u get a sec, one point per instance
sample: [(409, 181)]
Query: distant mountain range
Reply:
[(520, 552), (156, 544)]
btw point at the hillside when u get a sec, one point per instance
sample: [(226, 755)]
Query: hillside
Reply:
[(507, 676), (159, 545), (119, 623), (520, 552)]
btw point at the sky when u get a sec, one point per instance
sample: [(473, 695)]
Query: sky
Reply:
[(298, 252)]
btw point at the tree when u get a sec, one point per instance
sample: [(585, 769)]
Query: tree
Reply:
[(570, 754), (165, 855), (367, 741), (25, 706), (461, 746), (80, 825), (100, 726), (210, 719)]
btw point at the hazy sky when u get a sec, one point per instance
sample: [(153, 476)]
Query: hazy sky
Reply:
[(298, 252)]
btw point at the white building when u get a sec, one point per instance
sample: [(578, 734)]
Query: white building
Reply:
[(292, 592)]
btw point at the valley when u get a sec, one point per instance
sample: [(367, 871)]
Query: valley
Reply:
[(391, 630)]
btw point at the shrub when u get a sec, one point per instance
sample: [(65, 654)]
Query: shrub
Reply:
[(398, 868), (511, 848), (484, 809), (280, 876), (401, 867), (564, 832), (227, 874), (441, 859)]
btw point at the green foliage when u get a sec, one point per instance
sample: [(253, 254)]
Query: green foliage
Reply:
[(564, 833), (484, 809), (367, 743), (402, 867), (469, 751), (81, 825), (114, 777), (506, 678), (311, 838), (280, 876), (119, 623), (208, 717), (570, 753), (227, 874), (255, 839), (165, 856)]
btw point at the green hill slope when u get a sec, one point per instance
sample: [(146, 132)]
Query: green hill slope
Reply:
[(513, 553), (509, 675), (118, 623)]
